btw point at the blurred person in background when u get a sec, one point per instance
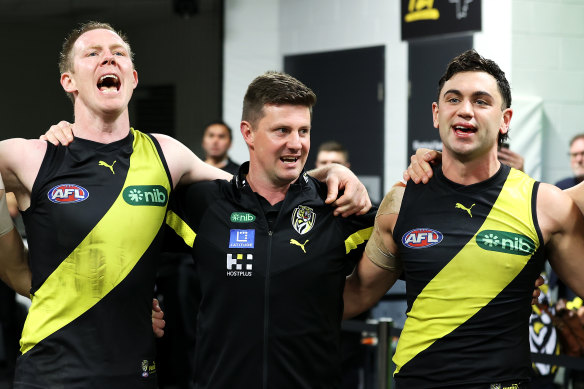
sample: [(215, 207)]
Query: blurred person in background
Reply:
[(576, 154), (216, 142), (332, 152)]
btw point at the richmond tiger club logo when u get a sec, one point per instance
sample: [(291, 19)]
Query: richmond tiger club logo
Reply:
[(303, 219)]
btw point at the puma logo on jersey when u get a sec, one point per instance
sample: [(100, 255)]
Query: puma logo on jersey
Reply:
[(296, 243), (459, 205), (111, 167)]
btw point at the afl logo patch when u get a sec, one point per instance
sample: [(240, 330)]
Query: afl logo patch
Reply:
[(67, 193), (421, 238)]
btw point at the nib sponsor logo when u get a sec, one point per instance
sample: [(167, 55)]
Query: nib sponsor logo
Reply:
[(242, 217), (149, 195), (505, 242), (421, 238)]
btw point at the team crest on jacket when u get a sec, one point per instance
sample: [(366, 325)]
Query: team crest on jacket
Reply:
[(303, 219)]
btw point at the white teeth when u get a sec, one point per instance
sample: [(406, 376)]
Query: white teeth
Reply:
[(108, 76)]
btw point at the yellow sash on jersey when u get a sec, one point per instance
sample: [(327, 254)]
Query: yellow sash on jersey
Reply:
[(361, 236), (458, 292), (105, 257)]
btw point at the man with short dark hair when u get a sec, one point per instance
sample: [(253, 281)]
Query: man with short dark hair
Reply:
[(217, 138), (471, 243), (270, 255), (332, 152)]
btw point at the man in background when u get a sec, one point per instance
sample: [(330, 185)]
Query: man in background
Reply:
[(576, 162), (216, 142), (332, 152)]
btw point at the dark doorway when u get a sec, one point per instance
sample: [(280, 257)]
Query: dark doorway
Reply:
[(350, 88), (427, 62), (153, 109)]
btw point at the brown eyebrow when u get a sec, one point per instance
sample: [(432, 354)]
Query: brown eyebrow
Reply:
[(112, 47), (475, 94)]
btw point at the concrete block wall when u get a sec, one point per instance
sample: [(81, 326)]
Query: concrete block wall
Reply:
[(547, 62)]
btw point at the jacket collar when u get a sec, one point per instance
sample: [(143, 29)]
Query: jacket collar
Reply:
[(240, 180)]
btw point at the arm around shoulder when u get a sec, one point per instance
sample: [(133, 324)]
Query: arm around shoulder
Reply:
[(354, 200), (185, 167)]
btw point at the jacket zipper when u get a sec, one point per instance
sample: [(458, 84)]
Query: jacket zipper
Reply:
[(267, 310)]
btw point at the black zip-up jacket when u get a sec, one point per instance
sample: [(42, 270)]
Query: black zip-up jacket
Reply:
[(271, 297)]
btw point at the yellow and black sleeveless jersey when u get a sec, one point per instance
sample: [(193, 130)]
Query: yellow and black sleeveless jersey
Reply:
[(271, 282), (94, 231), (471, 255)]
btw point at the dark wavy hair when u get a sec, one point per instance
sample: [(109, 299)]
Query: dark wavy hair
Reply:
[(471, 61)]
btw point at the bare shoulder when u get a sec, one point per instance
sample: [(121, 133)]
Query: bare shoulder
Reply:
[(547, 194), (19, 152), (391, 203), (168, 143), (176, 155), (20, 161), (18, 144), (172, 148), (162, 138), (185, 167), (555, 209), (577, 194)]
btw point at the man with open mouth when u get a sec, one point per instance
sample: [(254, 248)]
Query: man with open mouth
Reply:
[(93, 213)]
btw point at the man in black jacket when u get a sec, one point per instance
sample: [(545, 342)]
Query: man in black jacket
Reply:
[(270, 254)]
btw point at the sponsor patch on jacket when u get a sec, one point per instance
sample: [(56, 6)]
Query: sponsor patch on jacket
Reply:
[(505, 242), (239, 265), (303, 219), (146, 195), (241, 239), (421, 238), (67, 194), (242, 217)]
